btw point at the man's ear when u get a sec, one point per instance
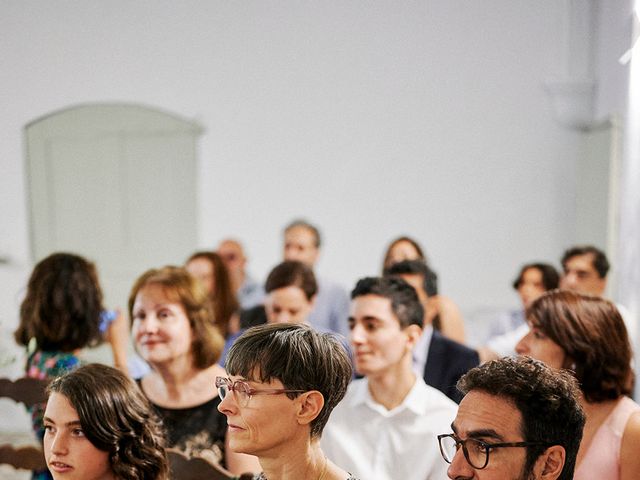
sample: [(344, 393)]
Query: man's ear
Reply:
[(414, 332), (309, 406), (550, 464)]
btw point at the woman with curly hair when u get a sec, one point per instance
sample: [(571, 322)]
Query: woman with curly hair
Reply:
[(98, 425), (61, 314), (587, 336)]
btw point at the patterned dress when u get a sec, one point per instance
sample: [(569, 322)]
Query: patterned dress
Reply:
[(46, 366), (195, 431)]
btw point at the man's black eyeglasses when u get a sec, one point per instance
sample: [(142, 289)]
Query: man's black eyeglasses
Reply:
[(475, 451)]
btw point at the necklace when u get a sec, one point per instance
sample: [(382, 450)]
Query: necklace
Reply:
[(324, 470)]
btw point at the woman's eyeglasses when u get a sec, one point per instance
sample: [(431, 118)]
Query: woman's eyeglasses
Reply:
[(243, 392)]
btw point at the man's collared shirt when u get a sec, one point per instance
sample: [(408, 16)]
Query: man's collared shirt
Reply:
[(365, 438), (421, 351)]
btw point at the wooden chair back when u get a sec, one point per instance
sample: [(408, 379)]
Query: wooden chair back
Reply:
[(196, 468), (26, 457), (27, 391)]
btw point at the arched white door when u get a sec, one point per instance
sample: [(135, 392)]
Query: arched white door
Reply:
[(115, 183)]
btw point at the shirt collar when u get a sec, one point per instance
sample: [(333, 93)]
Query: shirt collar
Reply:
[(414, 401)]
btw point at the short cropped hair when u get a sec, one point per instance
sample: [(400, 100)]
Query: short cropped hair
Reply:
[(315, 232), (547, 399), (600, 262), (593, 335), (550, 277), (179, 286), (116, 418), (62, 307), (292, 273), (297, 355), (405, 304), (416, 267)]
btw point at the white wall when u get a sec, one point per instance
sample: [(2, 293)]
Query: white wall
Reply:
[(372, 119)]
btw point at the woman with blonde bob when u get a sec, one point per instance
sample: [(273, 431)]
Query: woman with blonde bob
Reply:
[(172, 327), (587, 336), (284, 381), (99, 426)]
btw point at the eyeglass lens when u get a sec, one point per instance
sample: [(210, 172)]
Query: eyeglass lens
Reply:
[(474, 451), (239, 388)]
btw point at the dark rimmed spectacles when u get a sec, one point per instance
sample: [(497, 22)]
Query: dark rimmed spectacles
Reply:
[(243, 392), (475, 451)]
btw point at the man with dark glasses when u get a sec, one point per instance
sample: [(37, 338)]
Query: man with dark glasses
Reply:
[(519, 420)]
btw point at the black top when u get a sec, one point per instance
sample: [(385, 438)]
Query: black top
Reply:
[(200, 429)]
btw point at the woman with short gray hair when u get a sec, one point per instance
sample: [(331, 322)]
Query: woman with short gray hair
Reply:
[(285, 380)]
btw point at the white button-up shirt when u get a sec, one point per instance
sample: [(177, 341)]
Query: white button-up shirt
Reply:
[(374, 443)]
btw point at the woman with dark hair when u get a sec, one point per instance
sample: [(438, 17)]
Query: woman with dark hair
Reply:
[(173, 331), (587, 336), (99, 426), (209, 268), (284, 381), (60, 315), (532, 281), (441, 311), (402, 248), (291, 290)]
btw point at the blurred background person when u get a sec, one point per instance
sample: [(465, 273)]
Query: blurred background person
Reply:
[(248, 291), (302, 242), (587, 336), (291, 290), (402, 248), (61, 314), (585, 270), (173, 331), (442, 312), (532, 281), (209, 268)]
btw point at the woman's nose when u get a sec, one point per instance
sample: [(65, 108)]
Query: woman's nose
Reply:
[(149, 324), (58, 444), (227, 405)]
